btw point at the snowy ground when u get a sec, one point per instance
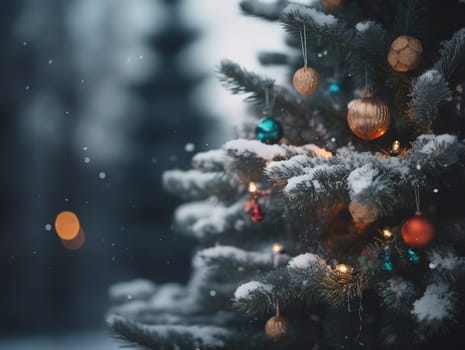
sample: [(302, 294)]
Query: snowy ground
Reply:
[(97, 340)]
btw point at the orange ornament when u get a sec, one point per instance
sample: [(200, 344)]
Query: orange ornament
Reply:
[(417, 232), (368, 117)]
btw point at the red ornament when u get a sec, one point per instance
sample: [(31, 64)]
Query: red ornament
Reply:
[(257, 212), (417, 232)]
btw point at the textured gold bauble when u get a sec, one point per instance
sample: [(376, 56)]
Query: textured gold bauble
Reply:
[(277, 328), (333, 5), (405, 53), (306, 80), (368, 117)]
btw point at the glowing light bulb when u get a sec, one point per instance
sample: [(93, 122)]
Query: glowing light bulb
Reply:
[(343, 268), (277, 248), (387, 233), (395, 146), (252, 187)]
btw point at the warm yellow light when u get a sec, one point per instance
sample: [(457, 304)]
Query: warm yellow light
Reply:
[(387, 233), (395, 147), (252, 187), (277, 248), (67, 225), (343, 268)]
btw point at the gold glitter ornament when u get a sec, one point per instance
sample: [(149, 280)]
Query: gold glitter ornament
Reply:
[(306, 80), (405, 53)]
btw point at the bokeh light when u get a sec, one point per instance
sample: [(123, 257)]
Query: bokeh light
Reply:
[(67, 225), (75, 243)]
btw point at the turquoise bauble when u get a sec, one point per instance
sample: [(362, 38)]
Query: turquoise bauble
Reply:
[(268, 131)]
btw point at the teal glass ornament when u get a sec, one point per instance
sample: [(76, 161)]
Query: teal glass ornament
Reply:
[(387, 265), (334, 88), (412, 256), (269, 131)]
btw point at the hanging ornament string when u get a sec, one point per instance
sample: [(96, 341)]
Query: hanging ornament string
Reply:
[(416, 191), (305, 79), (269, 100), (303, 43), (276, 305)]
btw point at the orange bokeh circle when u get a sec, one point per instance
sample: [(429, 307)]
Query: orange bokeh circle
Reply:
[(67, 225)]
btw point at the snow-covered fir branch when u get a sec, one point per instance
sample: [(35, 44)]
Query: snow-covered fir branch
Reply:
[(211, 161), (239, 80), (162, 336), (209, 217), (267, 10), (428, 91), (452, 54), (197, 184)]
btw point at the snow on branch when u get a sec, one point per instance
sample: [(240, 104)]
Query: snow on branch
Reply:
[(429, 90), (317, 24), (319, 186), (138, 289), (445, 263), (221, 255), (256, 149), (196, 184), (301, 14), (164, 336), (436, 307), (267, 10), (306, 261), (285, 169), (239, 80), (245, 291), (436, 151), (452, 54), (210, 161), (209, 217), (254, 298)]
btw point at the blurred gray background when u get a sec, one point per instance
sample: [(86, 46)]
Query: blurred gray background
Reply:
[(98, 98)]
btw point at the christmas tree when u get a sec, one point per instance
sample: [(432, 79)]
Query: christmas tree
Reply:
[(336, 219)]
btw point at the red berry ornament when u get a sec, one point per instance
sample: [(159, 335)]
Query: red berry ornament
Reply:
[(257, 212), (417, 232)]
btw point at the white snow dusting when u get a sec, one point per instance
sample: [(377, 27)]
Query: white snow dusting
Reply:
[(431, 143), (444, 260), (244, 148), (361, 178), (304, 261), (437, 304), (245, 291), (307, 180), (237, 255), (135, 289), (210, 160), (188, 180), (305, 13), (362, 26)]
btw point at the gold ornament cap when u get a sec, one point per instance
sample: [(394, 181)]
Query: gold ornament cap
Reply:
[(306, 80)]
